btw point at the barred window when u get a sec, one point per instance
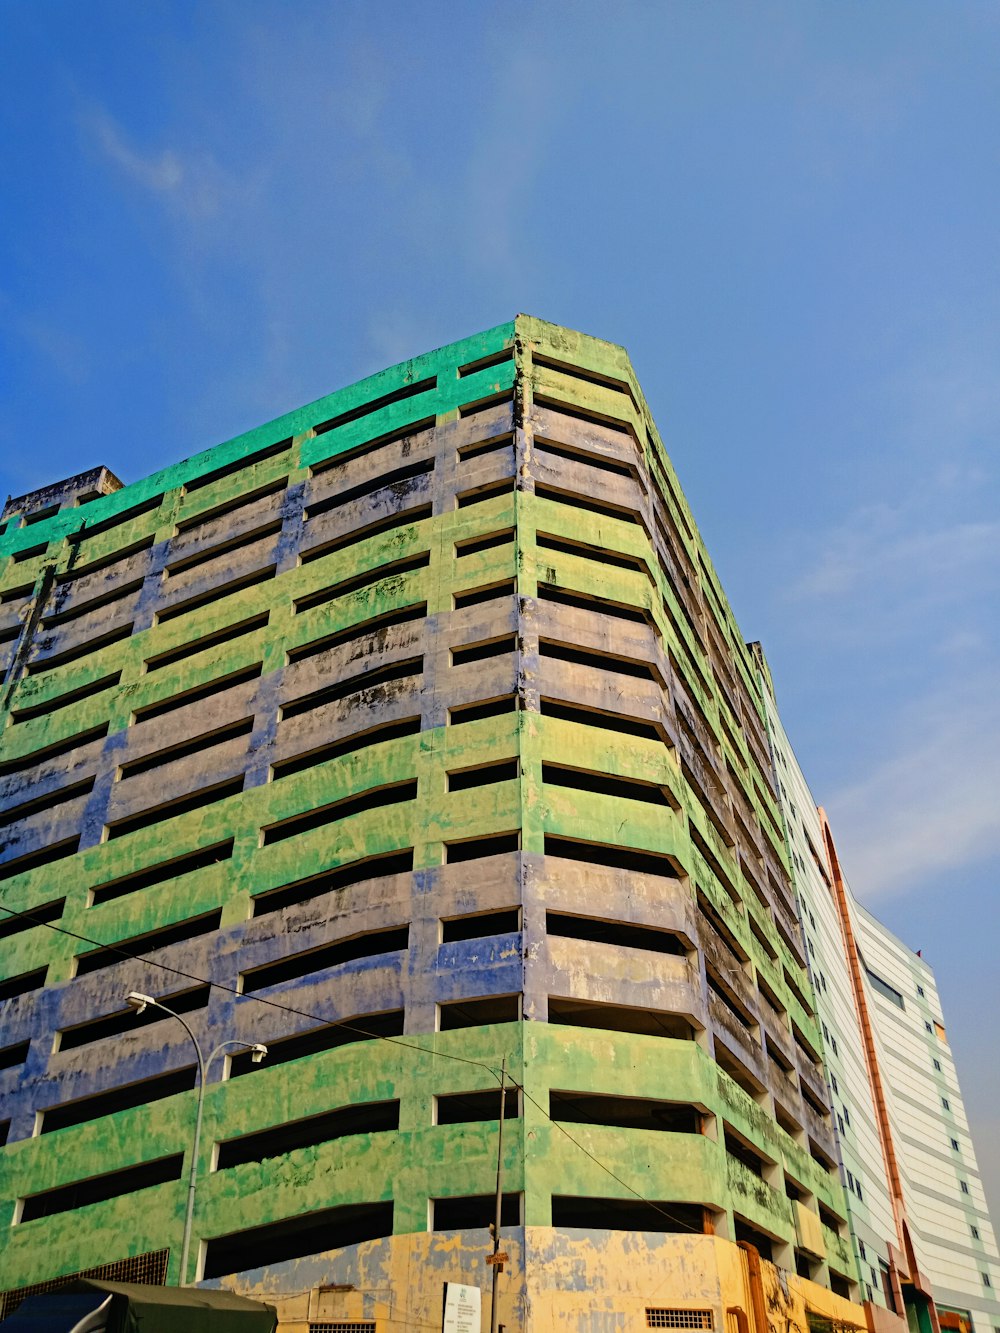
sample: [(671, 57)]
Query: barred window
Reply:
[(659, 1317), (344, 1326)]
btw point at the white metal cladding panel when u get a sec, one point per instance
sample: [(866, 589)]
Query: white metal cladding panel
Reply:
[(939, 1211), (860, 1145)]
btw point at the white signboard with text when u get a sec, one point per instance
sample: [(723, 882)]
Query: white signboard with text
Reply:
[(462, 1308)]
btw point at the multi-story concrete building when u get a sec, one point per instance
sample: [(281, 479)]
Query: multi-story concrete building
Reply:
[(412, 736)]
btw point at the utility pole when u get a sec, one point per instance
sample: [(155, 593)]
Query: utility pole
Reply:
[(496, 1220)]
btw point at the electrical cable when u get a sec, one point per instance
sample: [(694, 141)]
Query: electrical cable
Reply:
[(586, 1151), (375, 1036), (231, 990)]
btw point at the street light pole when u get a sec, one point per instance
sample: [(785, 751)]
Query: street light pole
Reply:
[(499, 1199), (139, 1002)]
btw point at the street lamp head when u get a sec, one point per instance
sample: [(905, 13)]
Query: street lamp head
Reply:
[(257, 1052), (137, 1001)]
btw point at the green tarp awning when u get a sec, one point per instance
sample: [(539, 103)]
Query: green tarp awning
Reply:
[(140, 1309)]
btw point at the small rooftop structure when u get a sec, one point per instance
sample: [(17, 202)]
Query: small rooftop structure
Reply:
[(65, 494)]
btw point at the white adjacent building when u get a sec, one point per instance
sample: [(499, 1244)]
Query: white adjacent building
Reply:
[(922, 1236)]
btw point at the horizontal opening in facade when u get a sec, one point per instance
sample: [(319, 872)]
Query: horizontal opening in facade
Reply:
[(488, 593), (237, 465), (471, 849), (16, 594), (593, 1108), (484, 1012), (200, 692), (480, 925), (665, 1215), (620, 723), (392, 569), (731, 1065), (376, 404), (604, 784), (208, 740), (216, 594), (581, 414), (605, 662), (80, 650), (600, 555), (573, 500), (161, 872), (127, 1020), (84, 569), (171, 809), (375, 798), (231, 506), (743, 1231), (479, 494), (487, 404), (744, 1152), (142, 1093), (296, 1237), (116, 520), (374, 626), (775, 1055), (460, 1108), (23, 984), (586, 376), (12, 1056), (358, 740), (486, 362), (489, 446), (786, 1121), (206, 641), (719, 987), (548, 592), (721, 931), (618, 858), (54, 751), (18, 865), (282, 1050), (29, 553), (372, 446), (401, 519), (473, 1212), (620, 933), (395, 479), (506, 703), (56, 618), (487, 542), (345, 1121), (482, 775), (585, 457), (111, 1185), (364, 680), (87, 691), (368, 944), (30, 917), (355, 872), (619, 1018), (481, 652), (229, 547), (143, 945)]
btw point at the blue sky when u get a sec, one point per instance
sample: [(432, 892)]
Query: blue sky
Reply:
[(215, 212)]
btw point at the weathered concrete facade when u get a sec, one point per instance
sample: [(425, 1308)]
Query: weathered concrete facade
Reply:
[(405, 734)]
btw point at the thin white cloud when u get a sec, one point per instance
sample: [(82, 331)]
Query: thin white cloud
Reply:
[(191, 183), (931, 805), (895, 546)]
